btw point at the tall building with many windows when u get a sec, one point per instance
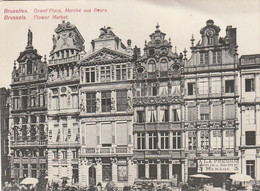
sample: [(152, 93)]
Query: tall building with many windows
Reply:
[(106, 112), (250, 115), (63, 103), (4, 127), (158, 105), (28, 128), (211, 111)]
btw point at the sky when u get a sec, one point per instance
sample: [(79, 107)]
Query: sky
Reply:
[(133, 19)]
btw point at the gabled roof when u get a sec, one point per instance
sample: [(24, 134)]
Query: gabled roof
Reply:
[(105, 55)]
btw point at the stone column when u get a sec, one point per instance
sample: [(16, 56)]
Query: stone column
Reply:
[(114, 170), (131, 171), (159, 169), (182, 170), (257, 164), (243, 162), (159, 140), (170, 169), (99, 170), (243, 125), (147, 140), (69, 169), (257, 118), (171, 140), (146, 169), (198, 140)]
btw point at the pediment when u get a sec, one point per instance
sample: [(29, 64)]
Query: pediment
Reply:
[(105, 55)]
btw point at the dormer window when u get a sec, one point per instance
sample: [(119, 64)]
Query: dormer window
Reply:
[(29, 67), (151, 52), (163, 65), (151, 66)]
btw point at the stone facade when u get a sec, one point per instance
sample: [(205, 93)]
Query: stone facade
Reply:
[(28, 128), (106, 112), (250, 115), (4, 126), (112, 114)]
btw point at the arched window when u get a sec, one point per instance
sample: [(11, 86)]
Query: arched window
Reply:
[(163, 65), (151, 66)]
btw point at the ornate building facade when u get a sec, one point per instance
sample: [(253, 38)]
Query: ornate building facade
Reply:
[(4, 127), (63, 103), (211, 111), (106, 112), (28, 128), (250, 115), (158, 105)]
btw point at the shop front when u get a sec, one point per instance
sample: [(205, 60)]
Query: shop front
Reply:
[(218, 169)]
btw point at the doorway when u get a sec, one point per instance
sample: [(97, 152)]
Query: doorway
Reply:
[(92, 176)]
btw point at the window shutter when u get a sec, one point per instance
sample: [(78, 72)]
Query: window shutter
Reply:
[(192, 113), (121, 133), (230, 111), (91, 135), (217, 112), (204, 109), (106, 133)]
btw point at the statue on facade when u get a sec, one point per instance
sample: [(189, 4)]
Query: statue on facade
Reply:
[(129, 104), (54, 40), (30, 37)]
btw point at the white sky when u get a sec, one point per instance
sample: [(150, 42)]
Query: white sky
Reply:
[(134, 20)]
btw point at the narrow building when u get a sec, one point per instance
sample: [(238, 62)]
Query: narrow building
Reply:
[(211, 114), (158, 121), (4, 127), (250, 115), (106, 112), (63, 104), (28, 128)]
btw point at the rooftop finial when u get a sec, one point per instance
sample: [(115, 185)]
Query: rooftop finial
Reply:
[(14, 63), (157, 26), (45, 58), (175, 49), (185, 53), (192, 40)]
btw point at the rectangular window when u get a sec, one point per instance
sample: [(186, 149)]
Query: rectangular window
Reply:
[(250, 168), (217, 57), (91, 102), (176, 114), (106, 134), (64, 155), (217, 112), (90, 75), (140, 140), (165, 171), (106, 101), (164, 140), (204, 138), (151, 66), (140, 116), (229, 86), (141, 171), (191, 88), (63, 101), (121, 133), (105, 74), (230, 111), (55, 154), (121, 100), (176, 140), (121, 72), (106, 172), (230, 134), (74, 102), (153, 140), (216, 141), (204, 112), (151, 115), (203, 86), (250, 138), (152, 89), (74, 155), (250, 116), (216, 85), (192, 113), (164, 114), (204, 58), (250, 85), (122, 174), (152, 171), (163, 89)]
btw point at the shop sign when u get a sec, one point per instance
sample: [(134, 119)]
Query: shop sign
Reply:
[(218, 166)]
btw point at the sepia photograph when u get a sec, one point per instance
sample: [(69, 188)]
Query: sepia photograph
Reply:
[(138, 95)]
